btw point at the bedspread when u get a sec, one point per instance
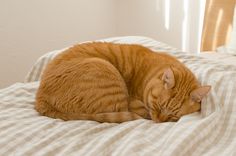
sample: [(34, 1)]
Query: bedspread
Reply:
[(209, 132)]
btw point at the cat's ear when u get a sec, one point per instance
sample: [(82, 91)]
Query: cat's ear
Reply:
[(198, 94), (168, 79)]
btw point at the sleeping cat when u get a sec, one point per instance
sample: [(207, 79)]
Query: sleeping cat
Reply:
[(109, 82)]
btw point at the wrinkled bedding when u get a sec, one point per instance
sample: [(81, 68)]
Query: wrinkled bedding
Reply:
[(209, 132)]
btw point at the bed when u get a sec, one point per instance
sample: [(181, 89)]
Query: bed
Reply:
[(209, 132)]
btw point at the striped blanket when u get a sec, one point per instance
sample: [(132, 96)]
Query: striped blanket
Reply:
[(210, 132)]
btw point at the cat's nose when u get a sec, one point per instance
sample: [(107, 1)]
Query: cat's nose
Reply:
[(163, 117)]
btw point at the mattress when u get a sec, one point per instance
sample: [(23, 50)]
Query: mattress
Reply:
[(209, 132)]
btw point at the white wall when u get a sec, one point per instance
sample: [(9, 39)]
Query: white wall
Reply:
[(30, 28), (175, 22)]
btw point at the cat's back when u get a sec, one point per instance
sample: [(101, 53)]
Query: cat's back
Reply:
[(122, 56), (115, 53), (99, 49)]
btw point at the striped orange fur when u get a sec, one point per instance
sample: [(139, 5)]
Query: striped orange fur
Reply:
[(109, 82)]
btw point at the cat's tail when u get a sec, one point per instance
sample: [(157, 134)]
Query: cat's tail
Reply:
[(112, 117), (45, 109)]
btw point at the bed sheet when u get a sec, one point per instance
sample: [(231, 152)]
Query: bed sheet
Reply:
[(224, 58), (210, 132)]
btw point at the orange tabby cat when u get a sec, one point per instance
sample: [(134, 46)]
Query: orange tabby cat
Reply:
[(109, 82)]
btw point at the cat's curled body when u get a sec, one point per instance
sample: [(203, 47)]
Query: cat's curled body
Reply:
[(109, 82)]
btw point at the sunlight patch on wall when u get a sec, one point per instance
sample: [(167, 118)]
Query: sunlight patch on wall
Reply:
[(167, 14), (229, 31), (185, 26), (218, 23), (201, 23)]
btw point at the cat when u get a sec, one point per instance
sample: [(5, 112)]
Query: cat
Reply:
[(108, 82)]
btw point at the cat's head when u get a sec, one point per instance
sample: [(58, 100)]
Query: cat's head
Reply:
[(176, 95)]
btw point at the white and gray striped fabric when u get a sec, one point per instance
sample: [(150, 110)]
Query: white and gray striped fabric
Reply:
[(210, 132)]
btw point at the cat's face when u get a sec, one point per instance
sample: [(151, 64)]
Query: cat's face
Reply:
[(169, 103)]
